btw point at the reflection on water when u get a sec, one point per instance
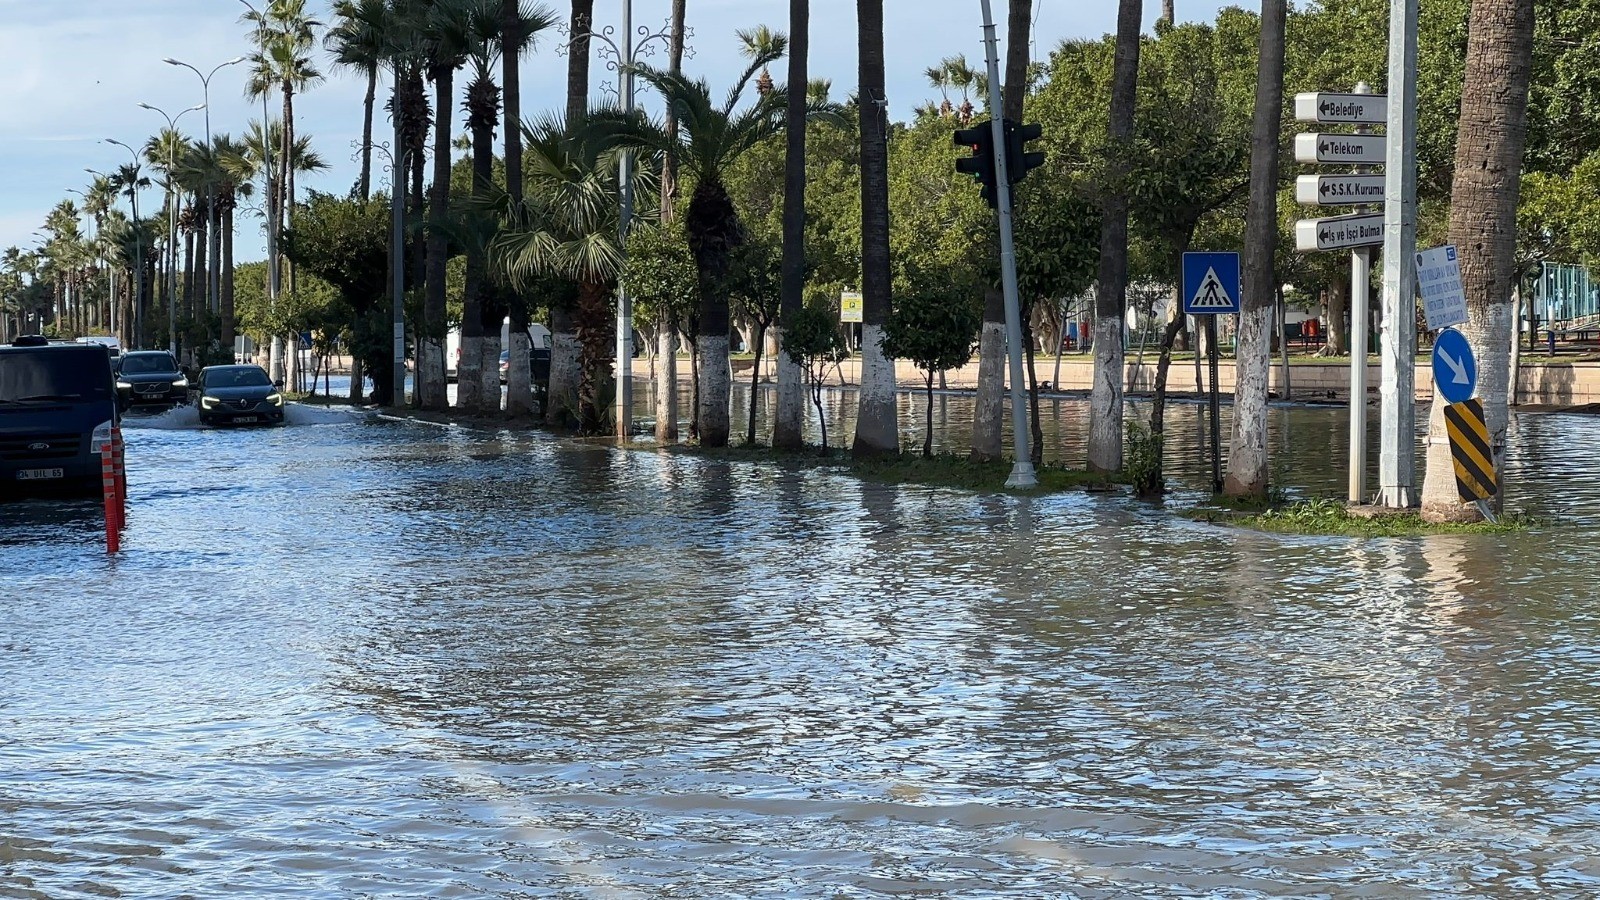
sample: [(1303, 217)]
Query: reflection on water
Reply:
[(359, 658)]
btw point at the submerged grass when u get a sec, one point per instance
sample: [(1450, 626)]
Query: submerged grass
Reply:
[(946, 471), (1334, 518)]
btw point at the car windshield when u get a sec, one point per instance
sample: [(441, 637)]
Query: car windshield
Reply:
[(244, 376), (54, 375), (149, 364)]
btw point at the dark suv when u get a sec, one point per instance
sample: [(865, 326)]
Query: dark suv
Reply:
[(57, 404), (150, 378)]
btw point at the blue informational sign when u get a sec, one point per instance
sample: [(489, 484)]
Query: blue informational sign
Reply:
[(1455, 372), (1210, 284)]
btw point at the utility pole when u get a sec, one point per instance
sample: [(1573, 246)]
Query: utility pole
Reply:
[(1022, 473), (1360, 274), (1397, 459)]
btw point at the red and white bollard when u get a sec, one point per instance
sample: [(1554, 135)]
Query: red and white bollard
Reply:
[(108, 485), (119, 462)]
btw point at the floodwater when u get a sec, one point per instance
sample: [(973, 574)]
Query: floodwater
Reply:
[(355, 657)]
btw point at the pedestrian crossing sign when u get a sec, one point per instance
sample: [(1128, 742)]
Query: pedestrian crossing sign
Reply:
[(1210, 284)]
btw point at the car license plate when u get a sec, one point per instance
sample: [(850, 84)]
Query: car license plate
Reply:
[(245, 419), (40, 474)]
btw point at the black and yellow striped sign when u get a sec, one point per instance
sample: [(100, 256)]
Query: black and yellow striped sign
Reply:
[(1470, 451)]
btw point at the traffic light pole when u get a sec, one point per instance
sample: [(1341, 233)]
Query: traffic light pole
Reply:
[(1022, 473)]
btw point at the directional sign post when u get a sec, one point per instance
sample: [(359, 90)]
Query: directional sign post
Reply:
[(1338, 232), (1210, 289), (1338, 190), (1455, 371), (1444, 302), (1340, 149), (1350, 109)]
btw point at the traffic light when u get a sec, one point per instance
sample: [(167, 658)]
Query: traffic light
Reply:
[(980, 165), (1019, 161)]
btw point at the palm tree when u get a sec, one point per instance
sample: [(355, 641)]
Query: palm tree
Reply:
[(478, 380), (357, 43), (448, 37), (711, 137), (877, 425), (1483, 215), (788, 426), (1247, 451), (233, 182), (667, 324), (1111, 289), (514, 16), (285, 35), (565, 352), (566, 228)]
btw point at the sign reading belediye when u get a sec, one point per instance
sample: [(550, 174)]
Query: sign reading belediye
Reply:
[(1444, 302)]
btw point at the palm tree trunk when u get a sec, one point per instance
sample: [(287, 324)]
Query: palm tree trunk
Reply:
[(788, 426), (877, 426), (1168, 13), (566, 351), (365, 185), (478, 301), (519, 384), (988, 413), (1105, 397), (666, 386), (228, 325), (1247, 452), (430, 352), (1483, 220)]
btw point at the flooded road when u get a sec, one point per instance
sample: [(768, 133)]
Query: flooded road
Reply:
[(361, 658)]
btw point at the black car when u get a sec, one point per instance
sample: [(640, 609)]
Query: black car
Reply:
[(238, 395), (150, 378)]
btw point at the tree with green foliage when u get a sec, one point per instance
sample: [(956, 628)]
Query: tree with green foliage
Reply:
[(935, 325), (812, 340), (755, 288), (661, 278)]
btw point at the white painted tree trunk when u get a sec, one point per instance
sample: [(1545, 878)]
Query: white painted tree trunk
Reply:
[(435, 396), (788, 428), (489, 373), (988, 415), (519, 380), (877, 419), (562, 403), (716, 390), (1105, 397), (666, 400), (1488, 330), (275, 362), (469, 375), (1247, 451)]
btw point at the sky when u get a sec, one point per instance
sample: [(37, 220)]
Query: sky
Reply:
[(76, 72)]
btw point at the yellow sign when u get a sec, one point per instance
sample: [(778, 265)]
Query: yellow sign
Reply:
[(1470, 451), (850, 307)]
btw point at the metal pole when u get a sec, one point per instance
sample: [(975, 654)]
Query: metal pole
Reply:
[(1022, 473), (1397, 459), (397, 252), (624, 399), (1360, 295), (1216, 407)]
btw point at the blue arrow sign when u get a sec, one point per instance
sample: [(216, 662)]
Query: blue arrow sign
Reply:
[(1210, 284), (1455, 372)]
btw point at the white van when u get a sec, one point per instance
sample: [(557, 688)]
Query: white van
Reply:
[(112, 345), (537, 334)]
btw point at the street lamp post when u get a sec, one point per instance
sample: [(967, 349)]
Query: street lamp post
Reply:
[(620, 58), (172, 221), (138, 248), (214, 277)]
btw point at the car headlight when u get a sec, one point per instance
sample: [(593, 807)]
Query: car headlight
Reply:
[(275, 399), (181, 383), (124, 386), (208, 403)]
